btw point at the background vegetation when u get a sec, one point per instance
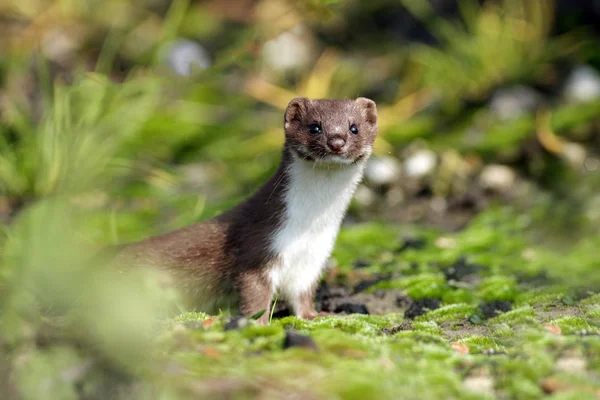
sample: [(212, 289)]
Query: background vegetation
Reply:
[(124, 118)]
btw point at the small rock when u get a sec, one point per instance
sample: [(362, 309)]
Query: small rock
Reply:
[(287, 51), (394, 197), (445, 243), (420, 164), (59, 46), (460, 348), (352, 308), (493, 308), (365, 284), (364, 196), (553, 329), (325, 292), (438, 204), (179, 328), (421, 306), (411, 243), (184, 55), (293, 339), (404, 326), (511, 103), (211, 352), (582, 85), (499, 178), (480, 384), (574, 154), (236, 323), (382, 171), (571, 365), (461, 269), (361, 264), (591, 164), (209, 321)]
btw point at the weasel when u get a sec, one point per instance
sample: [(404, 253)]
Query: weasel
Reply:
[(279, 239)]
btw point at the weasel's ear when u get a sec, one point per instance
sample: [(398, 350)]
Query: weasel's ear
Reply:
[(368, 109), (295, 110)]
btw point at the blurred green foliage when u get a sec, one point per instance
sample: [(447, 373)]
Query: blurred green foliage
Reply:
[(102, 142)]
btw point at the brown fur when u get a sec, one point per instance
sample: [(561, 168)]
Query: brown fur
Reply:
[(223, 261)]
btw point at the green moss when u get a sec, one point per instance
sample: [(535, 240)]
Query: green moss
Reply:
[(191, 316), (522, 315), (417, 287), (501, 330), (478, 344), (571, 325), (428, 327), (458, 296), (451, 312), (374, 240), (499, 288)]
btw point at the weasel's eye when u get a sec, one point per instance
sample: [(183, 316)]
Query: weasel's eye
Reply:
[(314, 128), (354, 129)]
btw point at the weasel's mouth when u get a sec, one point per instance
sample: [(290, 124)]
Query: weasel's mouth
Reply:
[(326, 159)]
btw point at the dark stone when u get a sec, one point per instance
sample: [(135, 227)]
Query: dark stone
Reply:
[(328, 296), (424, 192), (539, 279), (403, 301), (461, 269), (493, 308), (404, 326), (367, 283), (421, 306), (358, 264), (352, 308), (282, 312), (326, 292), (294, 339), (411, 243), (237, 323)]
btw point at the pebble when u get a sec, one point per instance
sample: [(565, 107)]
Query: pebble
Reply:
[(184, 55), (351, 308), (237, 323), (510, 103), (574, 154), (394, 197), (445, 242), (480, 384), (582, 85), (497, 177), (294, 339), (421, 306), (364, 196), (59, 46), (287, 51), (382, 171), (571, 365), (420, 164)]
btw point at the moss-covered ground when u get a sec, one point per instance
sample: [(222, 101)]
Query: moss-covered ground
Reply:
[(501, 329)]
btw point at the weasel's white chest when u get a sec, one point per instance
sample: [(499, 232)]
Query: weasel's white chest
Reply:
[(316, 202)]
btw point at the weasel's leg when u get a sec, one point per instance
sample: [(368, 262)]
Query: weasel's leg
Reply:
[(255, 296), (304, 304)]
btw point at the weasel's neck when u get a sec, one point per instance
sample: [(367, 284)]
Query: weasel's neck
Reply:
[(314, 202), (317, 196)]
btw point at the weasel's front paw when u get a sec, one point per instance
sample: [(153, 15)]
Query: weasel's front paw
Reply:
[(314, 314)]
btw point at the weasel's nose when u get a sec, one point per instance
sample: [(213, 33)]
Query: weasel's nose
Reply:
[(336, 143)]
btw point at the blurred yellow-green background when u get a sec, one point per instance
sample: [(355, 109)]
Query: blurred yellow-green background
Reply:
[(120, 119)]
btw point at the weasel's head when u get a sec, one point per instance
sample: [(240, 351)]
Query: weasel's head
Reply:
[(331, 131)]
